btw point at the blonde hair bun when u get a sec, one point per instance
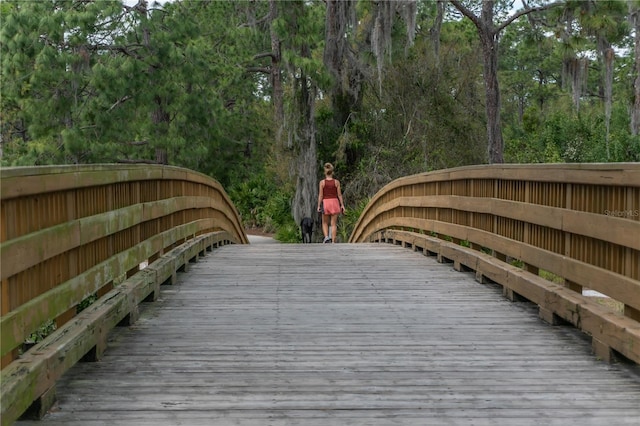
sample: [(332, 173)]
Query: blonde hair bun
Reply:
[(328, 168)]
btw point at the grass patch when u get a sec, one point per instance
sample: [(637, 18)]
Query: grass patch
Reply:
[(610, 303), (551, 277), (517, 263)]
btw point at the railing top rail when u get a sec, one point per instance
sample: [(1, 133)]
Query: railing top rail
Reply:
[(613, 173), (81, 176)]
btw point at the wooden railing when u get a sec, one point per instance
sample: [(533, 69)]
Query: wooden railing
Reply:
[(543, 232), (73, 234)]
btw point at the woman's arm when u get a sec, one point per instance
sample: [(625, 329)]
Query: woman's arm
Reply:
[(340, 195)]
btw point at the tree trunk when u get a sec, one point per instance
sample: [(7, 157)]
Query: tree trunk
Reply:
[(301, 126), (160, 119), (306, 196), (577, 71), (635, 109), (345, 68), (435, 31), (276, 79), (489, 42), (159, 116), (608, 56), (488, 35)]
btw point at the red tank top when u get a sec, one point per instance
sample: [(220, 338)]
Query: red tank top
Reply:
[(330, 190)]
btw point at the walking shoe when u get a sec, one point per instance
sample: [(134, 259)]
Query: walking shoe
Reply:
[(326, 240)]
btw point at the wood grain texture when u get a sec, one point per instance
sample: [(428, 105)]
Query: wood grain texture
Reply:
[(70, 231), (342, 334), (609, 329)]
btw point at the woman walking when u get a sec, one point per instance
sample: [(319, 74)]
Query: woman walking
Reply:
[(330, 203)]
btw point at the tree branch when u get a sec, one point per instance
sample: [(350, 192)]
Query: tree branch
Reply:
[(118, 102), (466, 12), (476, 20), (256, 23), (263, 70), (526, 11), (264, 55), (127, 50)]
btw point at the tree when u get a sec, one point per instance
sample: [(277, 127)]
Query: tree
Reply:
[(634, 13), (588, 26), (382, 89), (47, 50), (342, 60), (604, 20), (274, 53), (104, 82), (354, 31), (303, 24), (489, 32)]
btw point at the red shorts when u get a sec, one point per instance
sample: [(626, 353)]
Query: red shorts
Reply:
[(331, 206)]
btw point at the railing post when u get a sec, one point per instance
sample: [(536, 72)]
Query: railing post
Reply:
[(41, 405)]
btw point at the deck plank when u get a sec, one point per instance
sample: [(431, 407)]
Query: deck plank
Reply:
[(341, 334)]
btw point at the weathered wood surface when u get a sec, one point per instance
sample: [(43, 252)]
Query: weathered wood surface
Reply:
[(342, 334)]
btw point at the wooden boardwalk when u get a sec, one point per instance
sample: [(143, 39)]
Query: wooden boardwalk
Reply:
[(276, 334)]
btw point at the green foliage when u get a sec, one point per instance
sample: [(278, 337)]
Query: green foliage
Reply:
[(553, 87), (95, 82), (349, 219), (43, 331), (264, 204), (88, 301), (550, 276), (517, 263), (427, 116), (50, 326), (250, 198), (561, 135), (89, 82), (277, 210), (288, 232)]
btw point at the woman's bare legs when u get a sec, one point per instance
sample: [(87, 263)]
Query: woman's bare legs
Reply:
[(325, 225), (334, 227)]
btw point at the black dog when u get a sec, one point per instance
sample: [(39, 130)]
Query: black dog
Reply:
[(306, 227)]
